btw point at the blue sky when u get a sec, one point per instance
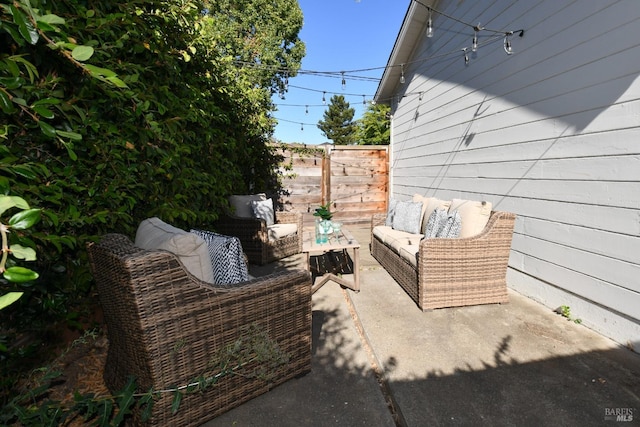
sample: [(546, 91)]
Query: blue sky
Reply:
[(340, 35)]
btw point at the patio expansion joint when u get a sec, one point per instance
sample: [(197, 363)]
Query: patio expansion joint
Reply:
[(376, 366)]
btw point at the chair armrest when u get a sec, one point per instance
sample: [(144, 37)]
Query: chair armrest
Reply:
[(288, 217), (244, 228)]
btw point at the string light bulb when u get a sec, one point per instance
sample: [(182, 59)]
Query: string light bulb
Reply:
[(324, 99), (402, 74), (429, 25), (344, 82), (507, 43), (306, 110), (364, 101), (466, 56)]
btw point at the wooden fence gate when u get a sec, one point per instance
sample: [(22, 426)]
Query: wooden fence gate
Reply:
[(355, 179)]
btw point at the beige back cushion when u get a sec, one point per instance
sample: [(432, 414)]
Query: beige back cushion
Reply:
[(241, 204), (474, 215), (153, 233)]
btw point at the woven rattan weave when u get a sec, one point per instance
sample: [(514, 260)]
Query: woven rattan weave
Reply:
[(165, 326), (254, 236), (453, 272)]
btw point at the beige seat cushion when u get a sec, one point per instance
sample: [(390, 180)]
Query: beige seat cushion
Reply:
[(278, 231), (474, 215), (410, 253), (396, 238), (192, 250), (240, 205)]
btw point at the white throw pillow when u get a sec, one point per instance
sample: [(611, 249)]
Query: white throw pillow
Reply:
[(474, 215), (241, 204), (407, 217), (263, 209), (153, 234)]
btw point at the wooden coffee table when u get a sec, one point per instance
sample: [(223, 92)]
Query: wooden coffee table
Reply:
[(343, 241)]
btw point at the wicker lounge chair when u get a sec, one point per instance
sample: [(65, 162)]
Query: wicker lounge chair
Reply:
[(254, 236), (165, 327), (453, 272)]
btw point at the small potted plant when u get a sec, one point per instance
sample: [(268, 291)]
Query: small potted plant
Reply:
[(323, 223)]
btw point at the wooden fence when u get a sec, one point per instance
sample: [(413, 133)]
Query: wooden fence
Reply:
[(353, 178)]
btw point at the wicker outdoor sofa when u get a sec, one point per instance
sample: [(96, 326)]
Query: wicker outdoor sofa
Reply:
[(166, 328), (447, 272)]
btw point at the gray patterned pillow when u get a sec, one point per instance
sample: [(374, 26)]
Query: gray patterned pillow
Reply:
[(227, 258), (452, 226), (391, 212), (407, 217), (436, 223)]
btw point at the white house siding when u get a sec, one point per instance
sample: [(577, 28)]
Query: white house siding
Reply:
[(551, 133)]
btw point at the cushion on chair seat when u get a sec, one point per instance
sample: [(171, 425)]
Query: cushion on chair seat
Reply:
[(278, 231), (192, 250)]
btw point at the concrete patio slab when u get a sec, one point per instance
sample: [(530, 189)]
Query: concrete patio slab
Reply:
[(379, 360)]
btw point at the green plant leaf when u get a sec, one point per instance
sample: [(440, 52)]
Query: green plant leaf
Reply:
[(24, 219), (12, 83), (82, 53), (25, 28), (5, 103), (21, 252), (20, 274), (4, 186), (10, 298), (44, 112), (74, 136), (99, 72), (24, 171), (116, 81), (175, 404), (8, 202), (51, 19), (47, 129)]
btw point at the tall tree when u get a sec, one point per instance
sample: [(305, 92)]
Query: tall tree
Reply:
[(338, 124), (374, 126)]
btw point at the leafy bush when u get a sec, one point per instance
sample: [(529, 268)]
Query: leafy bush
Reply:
[(111, 112)]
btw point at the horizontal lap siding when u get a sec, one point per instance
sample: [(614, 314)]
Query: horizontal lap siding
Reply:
[(551, 133)]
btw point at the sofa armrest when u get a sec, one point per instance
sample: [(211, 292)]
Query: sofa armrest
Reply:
[(484, 255), (378, 219)]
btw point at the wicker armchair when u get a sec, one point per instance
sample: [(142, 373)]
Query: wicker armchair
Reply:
[(254, 236), (166, 327)]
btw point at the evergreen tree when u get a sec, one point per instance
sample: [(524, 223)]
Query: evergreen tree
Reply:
[(338, 124), (374, 126)]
